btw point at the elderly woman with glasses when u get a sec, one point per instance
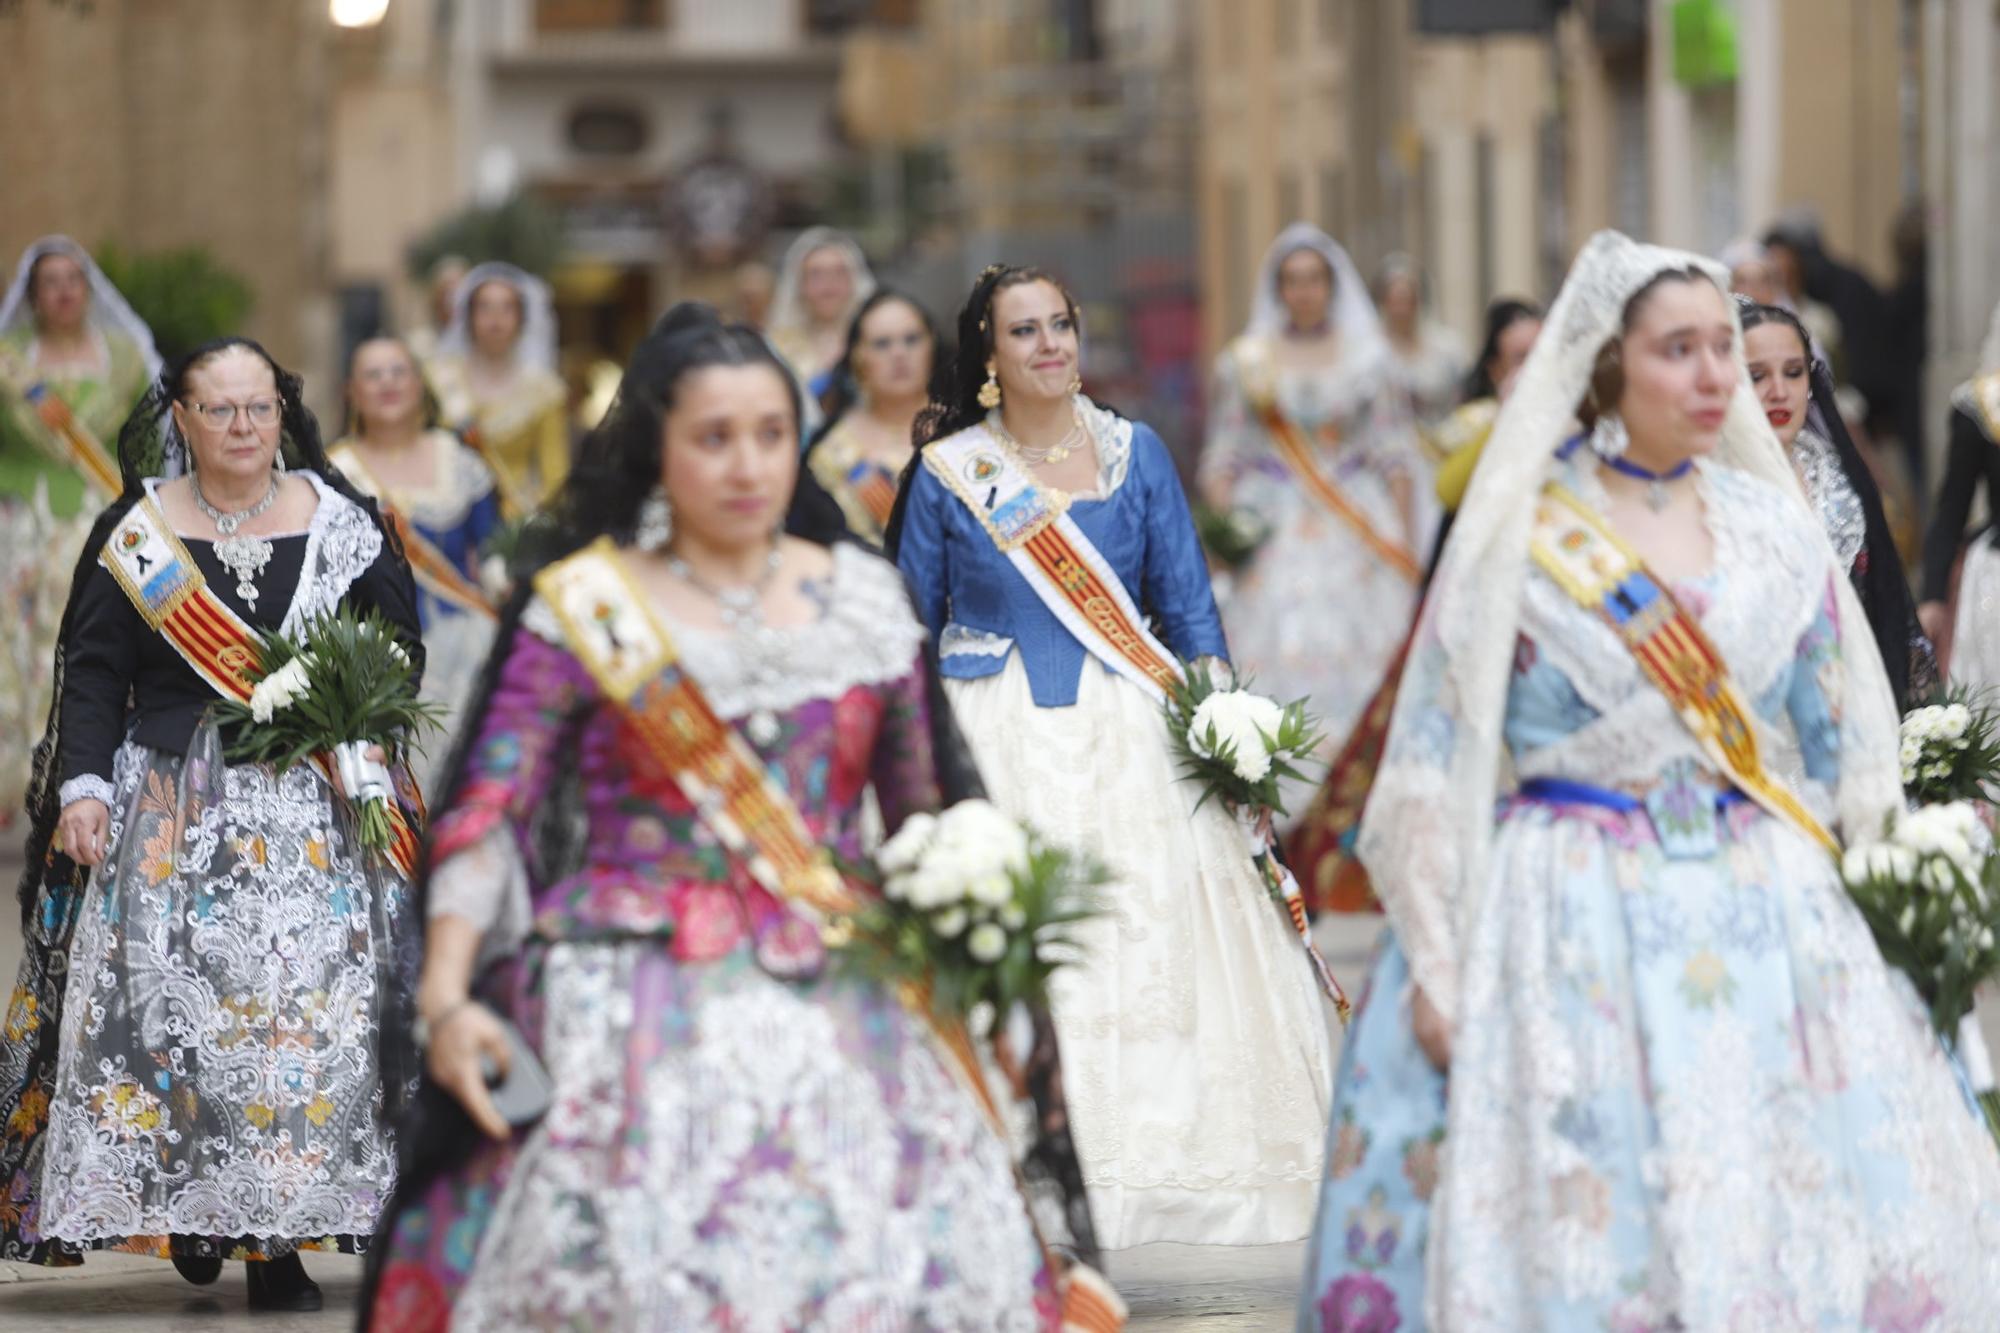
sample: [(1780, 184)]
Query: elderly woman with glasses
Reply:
[(190, 1062)]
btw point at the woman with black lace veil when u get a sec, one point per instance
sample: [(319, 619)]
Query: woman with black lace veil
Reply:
[(1795, 388), (740, 1132), (190, 1058)]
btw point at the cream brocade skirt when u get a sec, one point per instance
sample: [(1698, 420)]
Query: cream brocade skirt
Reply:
[(1195, 1054)]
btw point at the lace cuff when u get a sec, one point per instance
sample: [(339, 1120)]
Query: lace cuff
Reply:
[(487, 884), (85, 787)]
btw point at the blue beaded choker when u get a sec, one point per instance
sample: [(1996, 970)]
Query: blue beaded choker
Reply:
[(1656, 490)]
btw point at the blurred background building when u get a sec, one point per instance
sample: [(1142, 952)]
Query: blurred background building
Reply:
[(320, 152)]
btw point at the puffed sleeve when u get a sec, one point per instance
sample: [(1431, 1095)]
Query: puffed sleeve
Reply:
[(100, 659), (479, 844), (1964, 465), (924, 552), (1176, 586), (904, 769)]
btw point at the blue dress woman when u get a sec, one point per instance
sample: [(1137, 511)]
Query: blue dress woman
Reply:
[(1685, 1090), (1034, 528), (441, 496)]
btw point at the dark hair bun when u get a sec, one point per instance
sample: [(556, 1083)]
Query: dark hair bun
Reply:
[(688, 317)]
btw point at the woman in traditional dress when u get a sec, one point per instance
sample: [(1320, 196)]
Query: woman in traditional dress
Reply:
[(74, 360), (1365, 1263), (190, 1060), (1430, 356), (1194, 1046), (882, 382), (822, 283), (1973, 460), (1795, 389), (441, 496), (1685, 1090), (740, 1134), (495, 379), (1310, 432)]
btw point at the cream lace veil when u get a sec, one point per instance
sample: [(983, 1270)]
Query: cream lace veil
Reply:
[(1429, 824)]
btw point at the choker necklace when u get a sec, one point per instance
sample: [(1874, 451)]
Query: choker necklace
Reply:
[(1656, 487), (245, 557), (766, 649), (1055, 453)]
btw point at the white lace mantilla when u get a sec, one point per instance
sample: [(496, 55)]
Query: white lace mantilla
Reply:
[(868, 636), (1833, 497)]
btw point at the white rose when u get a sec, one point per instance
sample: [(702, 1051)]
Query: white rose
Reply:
[(1936, 875), (949, 923), (1857, 866), (1955, 721), (987, 943), (1986, 937), (1907, 922), (1012, 917)]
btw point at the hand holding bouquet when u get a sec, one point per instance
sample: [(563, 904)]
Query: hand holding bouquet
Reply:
[(975, 906), (342, 688), (1238, 746)]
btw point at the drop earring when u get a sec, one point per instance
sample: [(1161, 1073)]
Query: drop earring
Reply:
[(655, 527), (1608, 437), (989, 392)]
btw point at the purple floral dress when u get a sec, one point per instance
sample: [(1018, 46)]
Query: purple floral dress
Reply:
[(740, 1139)]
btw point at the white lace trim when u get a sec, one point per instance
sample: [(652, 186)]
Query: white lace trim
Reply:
[(965, 641), (85, 787), (1832, 495), (341, 544), (868, 636)]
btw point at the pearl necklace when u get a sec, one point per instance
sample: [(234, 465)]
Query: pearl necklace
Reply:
[(245, 556), (765, 648)]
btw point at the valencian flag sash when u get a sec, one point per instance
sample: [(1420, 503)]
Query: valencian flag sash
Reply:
[(432, 567), (1575, 548), (1296, 454), (85, 451), (172, 596), (610, 629), (1033, 529), (873, 485)]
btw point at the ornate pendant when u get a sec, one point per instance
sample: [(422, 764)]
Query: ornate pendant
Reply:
[(1657, 496), (245, 557)]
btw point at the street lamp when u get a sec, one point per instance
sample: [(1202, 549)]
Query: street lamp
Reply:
[(357, 13)]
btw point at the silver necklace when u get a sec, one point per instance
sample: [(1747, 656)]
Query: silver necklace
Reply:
[(245, 556), (742, 611)]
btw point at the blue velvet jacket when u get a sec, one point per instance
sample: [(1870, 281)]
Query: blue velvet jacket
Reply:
[(980, 610)]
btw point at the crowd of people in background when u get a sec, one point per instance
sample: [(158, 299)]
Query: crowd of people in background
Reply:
[(1626, 1057)]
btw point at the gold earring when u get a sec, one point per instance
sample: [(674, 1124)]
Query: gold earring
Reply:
[(989, 392), (1075, 383)]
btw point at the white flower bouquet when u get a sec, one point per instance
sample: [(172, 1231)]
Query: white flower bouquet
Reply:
[(975, 907), (1238, 746), (1232, 536), (346, 684), (1951, 750), (1930, 893)]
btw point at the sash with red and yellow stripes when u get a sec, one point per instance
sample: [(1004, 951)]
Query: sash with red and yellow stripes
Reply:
[(170, 593), (433, 568), (1033, 529), (90, 456), (609, 628), (1577, 550), (1296, 453)]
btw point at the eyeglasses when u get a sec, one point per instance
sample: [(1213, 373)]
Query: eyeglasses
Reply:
[(221, 416), (396, 372)]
